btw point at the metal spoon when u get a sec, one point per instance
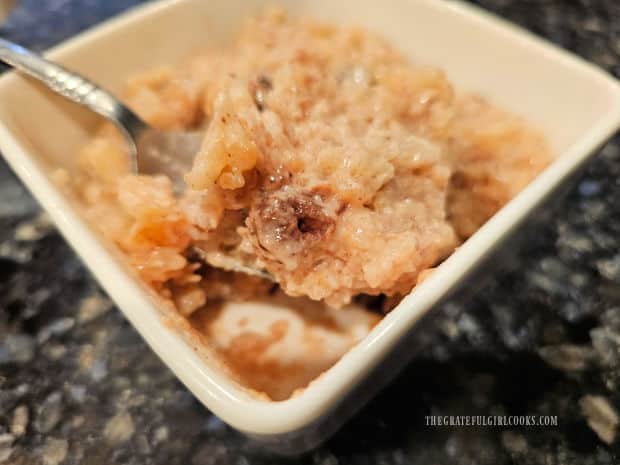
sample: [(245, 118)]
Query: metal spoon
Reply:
[(151, 151)]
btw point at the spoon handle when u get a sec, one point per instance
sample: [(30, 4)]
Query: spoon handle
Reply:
[(75, 88)]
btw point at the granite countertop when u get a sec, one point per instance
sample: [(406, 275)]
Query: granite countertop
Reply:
[(79, 386)]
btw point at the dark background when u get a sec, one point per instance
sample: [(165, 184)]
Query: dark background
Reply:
[(87, 390)]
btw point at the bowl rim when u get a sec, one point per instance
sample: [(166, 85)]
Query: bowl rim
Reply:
[(220, 394)]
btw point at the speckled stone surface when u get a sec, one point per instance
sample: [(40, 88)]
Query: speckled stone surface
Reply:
[(78, 385)]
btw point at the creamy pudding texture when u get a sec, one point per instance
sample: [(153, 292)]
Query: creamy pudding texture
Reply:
[(328, 160)]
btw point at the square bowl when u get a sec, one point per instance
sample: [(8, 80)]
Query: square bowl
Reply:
[(576, 105)]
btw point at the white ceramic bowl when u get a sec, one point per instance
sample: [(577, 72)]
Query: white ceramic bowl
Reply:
[(577, 106)]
